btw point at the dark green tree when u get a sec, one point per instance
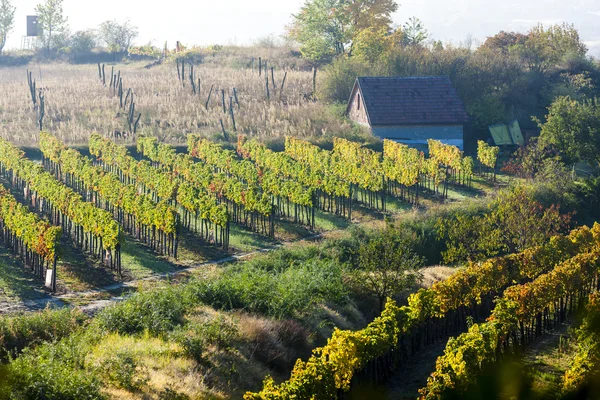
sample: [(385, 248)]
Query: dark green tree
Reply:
[(468, 238), (573, 127), (387, 266)]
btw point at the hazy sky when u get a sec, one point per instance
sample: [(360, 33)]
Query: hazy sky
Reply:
[(242, 21)]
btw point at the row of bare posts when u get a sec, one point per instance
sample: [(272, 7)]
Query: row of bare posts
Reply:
[(196, 86), (128, 104)]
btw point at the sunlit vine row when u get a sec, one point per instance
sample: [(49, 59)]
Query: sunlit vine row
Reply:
[(92, 228), (154, 223), (332, 367), (194, 203), (523, 313), (247, 206), (284, 193), (585, 366), (35, 240), (331, 194)]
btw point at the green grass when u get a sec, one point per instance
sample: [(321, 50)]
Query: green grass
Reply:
[(545, 363), (17, 283)]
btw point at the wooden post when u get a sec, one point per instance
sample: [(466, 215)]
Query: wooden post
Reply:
[(282, 83), (127, 97), (103, 76), (183, 72), (137, 121), (178, 73), (121, 92), (231, 112), (223, 101), (198, 86), (223, 128), (99, 71), (259, 66), (267, 86), (236, 97), (273, 81), (314, 81), (112, 72), (208, 99)]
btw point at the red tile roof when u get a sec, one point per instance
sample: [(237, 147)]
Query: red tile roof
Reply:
[(421, 100)]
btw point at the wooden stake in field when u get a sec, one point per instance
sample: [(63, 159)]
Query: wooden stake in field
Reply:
[(236, 98), (267, 86), (273, 81), (259, 66), (41, 111), (223, 101), (209, 93), (231, 112), (314, 81), (282, 83), (225, 135)]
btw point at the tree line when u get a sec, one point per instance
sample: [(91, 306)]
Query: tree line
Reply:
[(55, 38)]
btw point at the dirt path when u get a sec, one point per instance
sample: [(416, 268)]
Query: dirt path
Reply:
[(94, 306)]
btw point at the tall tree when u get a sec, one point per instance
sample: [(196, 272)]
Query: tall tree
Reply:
[(546, 48), (373, 14), (414, 32), (574, 128), (7, 21), (325, 28), (118, 36), (321, 28), (52, 21)]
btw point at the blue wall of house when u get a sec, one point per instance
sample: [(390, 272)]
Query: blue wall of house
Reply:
[(417, 135)]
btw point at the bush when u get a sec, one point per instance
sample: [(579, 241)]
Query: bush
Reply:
[(19, 332), (155, 311), (52, 372), (339, 77), (198, 335), (279, 293), (123, 370)]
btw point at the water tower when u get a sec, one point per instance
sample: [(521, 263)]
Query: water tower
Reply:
[(33, 31)]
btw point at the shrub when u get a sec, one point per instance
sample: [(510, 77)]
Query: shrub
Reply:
[(157, 311), (123, 370), (277, 293), (19, 332), (53, 372), (198, 335)]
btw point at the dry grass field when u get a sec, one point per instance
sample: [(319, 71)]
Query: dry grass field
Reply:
[(77, 103)]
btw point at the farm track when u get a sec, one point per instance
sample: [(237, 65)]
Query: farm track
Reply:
[(94, 306)]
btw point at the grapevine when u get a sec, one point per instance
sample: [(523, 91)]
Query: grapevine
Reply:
[(151, 222), (93, 229), (35, 240)]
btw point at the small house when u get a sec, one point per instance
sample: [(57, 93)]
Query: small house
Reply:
[(409, 109)]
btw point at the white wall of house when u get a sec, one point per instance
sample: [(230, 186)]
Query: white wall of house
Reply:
[(417, 135)]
